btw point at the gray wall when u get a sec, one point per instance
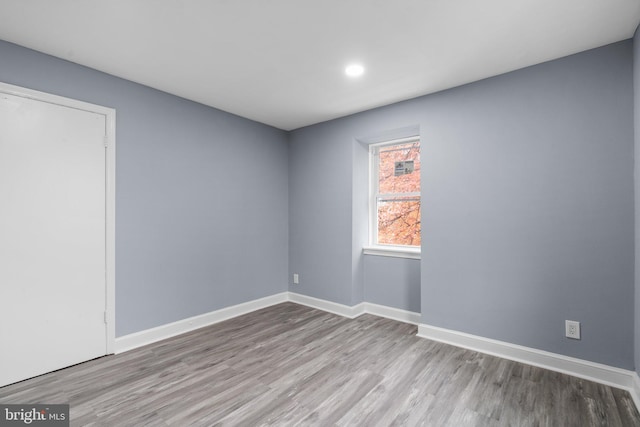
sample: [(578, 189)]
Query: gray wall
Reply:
[(320, 226), (528, 205), (394, 282), (528, 179), (636, 121), (202, 195)]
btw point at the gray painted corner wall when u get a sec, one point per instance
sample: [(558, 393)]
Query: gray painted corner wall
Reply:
[(202, 195), (528, 189), (319, 214), (359, 210), (636, 121), (528, 206)]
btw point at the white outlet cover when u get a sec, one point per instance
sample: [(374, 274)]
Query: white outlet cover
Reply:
[(572, 329)]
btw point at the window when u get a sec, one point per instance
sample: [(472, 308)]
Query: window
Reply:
[(395, 194)]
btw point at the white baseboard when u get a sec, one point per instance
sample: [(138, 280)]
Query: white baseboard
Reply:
[(597, 372), (592, 371), (392, 313), (148, 336), (332, 307), (352, 312), (159, 333), (635, 390)]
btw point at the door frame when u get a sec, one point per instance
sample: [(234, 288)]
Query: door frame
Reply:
[(110, 191)]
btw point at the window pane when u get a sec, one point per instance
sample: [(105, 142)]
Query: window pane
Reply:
[(399, 170), (399, 222)]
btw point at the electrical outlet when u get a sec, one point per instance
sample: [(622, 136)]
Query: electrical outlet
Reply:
[(296, 279), (572, 329)]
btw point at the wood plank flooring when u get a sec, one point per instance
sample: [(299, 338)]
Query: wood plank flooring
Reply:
[(293, 365)]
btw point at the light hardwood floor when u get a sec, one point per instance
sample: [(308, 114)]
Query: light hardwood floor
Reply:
[(293, 365)]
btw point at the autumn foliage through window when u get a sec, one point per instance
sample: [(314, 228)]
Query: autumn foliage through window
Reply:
[(396, 193)]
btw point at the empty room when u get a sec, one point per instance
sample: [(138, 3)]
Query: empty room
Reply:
[(349, 213)]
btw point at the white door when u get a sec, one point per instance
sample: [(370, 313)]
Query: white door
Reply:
[(52, 237)]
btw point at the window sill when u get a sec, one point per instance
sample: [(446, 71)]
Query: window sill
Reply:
[(392, 251)]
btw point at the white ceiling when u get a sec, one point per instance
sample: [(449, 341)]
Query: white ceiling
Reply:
[(281, 62)]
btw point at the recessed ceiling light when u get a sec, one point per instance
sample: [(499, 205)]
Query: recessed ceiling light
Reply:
[(354, 70)]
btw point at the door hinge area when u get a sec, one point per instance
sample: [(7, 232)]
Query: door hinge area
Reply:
[(106, 141), (105, 317)]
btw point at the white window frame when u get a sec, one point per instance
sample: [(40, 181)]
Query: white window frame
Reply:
[(374, 248)]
